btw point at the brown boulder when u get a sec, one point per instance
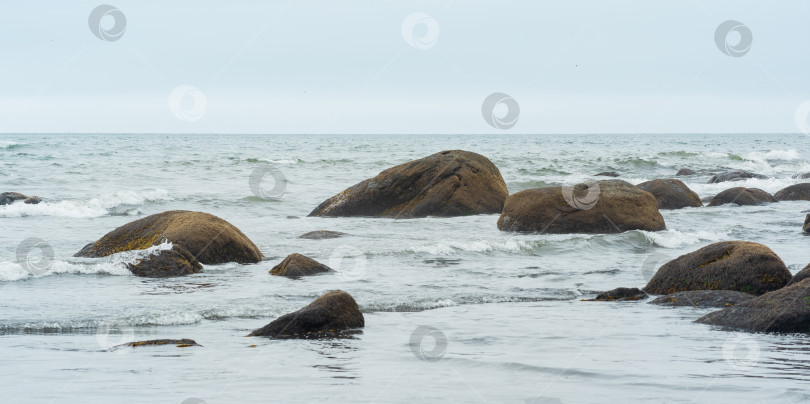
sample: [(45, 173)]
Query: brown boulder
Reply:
[(703, 298), (180, 343), (671, 194), (806, 226), (210, 239), (736, 175), (322, 234), (621, 295), (684, 171), (32, 200), (607, 174), (610, 206), (328, 314), (796, 192), (7, 198), (449, 183), (177, 261), (743, 266), (742, 196), (296, 265)]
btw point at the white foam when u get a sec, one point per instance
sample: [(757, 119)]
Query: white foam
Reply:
[(93, 207), (677, 239), (480, 246)]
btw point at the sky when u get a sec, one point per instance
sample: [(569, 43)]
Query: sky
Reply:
[(405, 67)]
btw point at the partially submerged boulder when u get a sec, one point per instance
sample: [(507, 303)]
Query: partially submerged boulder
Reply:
[(32, 200), (743, 266), (210, 239), (806, 226), (742, 196), (180, 343), (610, 206), (684, 171), (801, 176), (296, 265), (607, 174), (736, 175), (327, 315), (177, 261), (671, 194), (703, 298), (7, 198), (449, 183), (796, 192), (621, 295), (322, 234), (800, 276), (785, 310)]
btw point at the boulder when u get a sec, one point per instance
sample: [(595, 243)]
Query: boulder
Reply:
[(684, 171), (333, 312), (449, 183), (607, 174), (7, 198), (671, 194), (322, 234), (800, 276), (742, 196), (177, 261), (796, 192), (786, 310), (180, 343), (806, 226), (209, 238), (736, 175), (609, 206), (296, 265), (801, 176), (703, 298), (621, 294), (32, 200), (743, 266)]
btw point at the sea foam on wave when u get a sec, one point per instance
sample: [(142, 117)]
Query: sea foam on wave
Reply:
[(93, 207)]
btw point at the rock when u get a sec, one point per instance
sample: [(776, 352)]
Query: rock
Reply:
[(449, 183), (685, 171), (786, 310), (736, 175), (607, 174), (797, 192), (800, 276), (32, 200), (703, 298), (296, 265), (801, 176), (742, 196), (328, 314), (806, 226), (743, 266), (609, 206), (7, 198), (180, 343), (322, 234), (209, 238), (621, 294), (671, 194), (166, 263)]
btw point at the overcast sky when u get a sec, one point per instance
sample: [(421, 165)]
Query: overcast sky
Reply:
[(377, 66)]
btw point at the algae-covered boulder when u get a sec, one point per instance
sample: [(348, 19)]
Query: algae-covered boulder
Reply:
[(296, 265), (621, 295), (735, 175), (796, 192), (326, 316), (671, 194), (703, 298), (176, 261), (210, 239), (742, 196), (7, 198)]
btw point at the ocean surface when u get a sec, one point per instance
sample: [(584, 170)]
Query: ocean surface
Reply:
[(455, 310)]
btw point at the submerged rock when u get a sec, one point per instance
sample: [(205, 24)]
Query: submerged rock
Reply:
[(607, 174), (166, 263), (7, 198), (797, 192), (32, 200), (800, 276), (703, 298), (322, 234), (621, 294), (736, 175), (801, 176), (209, 238), (335, 311), (671, 194), (785, 310), (684, 171), (609, 206), (743, 266), (742, 196), (180, 343), (449, 183), (296, 265), (806, 226)]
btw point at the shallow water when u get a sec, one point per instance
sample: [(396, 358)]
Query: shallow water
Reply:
[(508, 305)]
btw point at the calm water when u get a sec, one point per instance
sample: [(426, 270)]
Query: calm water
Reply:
[(508, 306)]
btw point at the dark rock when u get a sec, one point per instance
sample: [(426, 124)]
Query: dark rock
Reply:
[(806, 226), (7, 198), (786, 310), (209, 238), (685, 171), (801, 176), (736, 175), (32, 200), (729, 265), (742, 196), (328, 314), (703, 298), (180, 343), (607, 174), (449, 183), (797, 192), (166, 263), (621, 294), (322, 234), (610, 206), (671, 194), (801, 275), (296, 265)]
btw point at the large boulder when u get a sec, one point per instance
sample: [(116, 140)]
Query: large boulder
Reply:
[(703, 298), (786, 310), (177, 261), (7, 198), (610, 206), (800, 276), (685, 171), (671, 194), (743, 266), (296, 265), (210, 239), (449, 183), (736, 175), (796, 192), (742, 196), (333, 312)]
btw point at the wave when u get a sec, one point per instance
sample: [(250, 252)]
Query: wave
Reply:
[(677, 239), (478, 246), (119, 203)]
